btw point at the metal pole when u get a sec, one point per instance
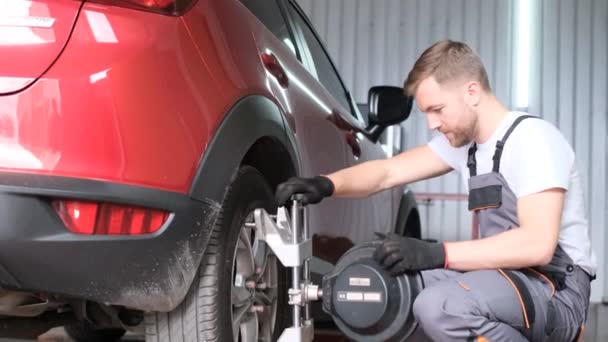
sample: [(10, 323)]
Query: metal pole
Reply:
[(295, 276), (306, 267)]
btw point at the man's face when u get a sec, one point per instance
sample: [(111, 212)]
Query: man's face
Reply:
[(448, 110)]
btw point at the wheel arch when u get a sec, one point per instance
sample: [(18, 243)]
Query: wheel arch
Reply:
[(252, 133)]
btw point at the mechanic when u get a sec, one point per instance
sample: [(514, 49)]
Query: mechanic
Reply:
[(528, 276)]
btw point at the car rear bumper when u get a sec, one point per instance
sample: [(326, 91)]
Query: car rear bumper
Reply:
[(151, 272)]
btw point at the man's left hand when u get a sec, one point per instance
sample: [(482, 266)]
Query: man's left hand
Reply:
[(398, 254)]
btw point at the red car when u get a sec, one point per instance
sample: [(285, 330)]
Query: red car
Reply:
[(137, 137)]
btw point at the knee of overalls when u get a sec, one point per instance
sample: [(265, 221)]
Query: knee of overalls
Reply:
[(444, 305)]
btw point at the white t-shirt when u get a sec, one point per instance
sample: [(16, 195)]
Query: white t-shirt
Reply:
[(536, 157)]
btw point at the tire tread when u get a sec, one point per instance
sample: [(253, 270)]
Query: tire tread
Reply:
[(196, 319)]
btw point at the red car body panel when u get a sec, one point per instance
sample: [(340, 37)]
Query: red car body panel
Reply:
[(141, 108), (27, 51)]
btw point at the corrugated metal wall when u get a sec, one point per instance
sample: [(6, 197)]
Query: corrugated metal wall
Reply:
[(377, 41), (570, 89)]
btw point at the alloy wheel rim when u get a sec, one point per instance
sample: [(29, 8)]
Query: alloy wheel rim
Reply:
[(254, 287)]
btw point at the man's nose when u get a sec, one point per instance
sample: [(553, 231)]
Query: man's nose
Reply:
[(433, 122)]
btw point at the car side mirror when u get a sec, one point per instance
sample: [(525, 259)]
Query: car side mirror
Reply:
[(388, 106)]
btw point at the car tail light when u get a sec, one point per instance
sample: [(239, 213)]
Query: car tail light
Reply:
[(174, 7), (95, 218)]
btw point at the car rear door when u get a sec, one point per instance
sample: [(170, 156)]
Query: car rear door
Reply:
[(338, 126), (309, 111)]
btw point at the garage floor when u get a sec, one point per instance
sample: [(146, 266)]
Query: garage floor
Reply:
[(594, 332), (57, 335)]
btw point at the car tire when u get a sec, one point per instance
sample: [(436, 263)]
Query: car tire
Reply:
[(84, 332), (210, 312)]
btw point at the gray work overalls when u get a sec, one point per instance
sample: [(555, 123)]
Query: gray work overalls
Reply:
[(546, 303)]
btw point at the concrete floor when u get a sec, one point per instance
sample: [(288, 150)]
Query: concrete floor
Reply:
[(596, 330), (58, 335)]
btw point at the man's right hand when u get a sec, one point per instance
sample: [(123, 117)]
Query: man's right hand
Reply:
[(313, 189)]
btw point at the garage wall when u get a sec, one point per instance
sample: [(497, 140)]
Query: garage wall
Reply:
[(376, 42), (570, 88)]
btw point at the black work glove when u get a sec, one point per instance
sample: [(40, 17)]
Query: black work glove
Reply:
[(399, 254), (313, 189)]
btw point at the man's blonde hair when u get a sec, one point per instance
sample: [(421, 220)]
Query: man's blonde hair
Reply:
[(447, 61)]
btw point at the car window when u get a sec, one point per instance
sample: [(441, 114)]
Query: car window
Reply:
[(270, 15), (325, 72)]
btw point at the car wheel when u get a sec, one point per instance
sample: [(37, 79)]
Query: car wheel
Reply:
[(84, 332), (236, 295)]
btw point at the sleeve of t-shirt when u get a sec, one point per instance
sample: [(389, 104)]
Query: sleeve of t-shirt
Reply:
[(450, 155), (542, 159)]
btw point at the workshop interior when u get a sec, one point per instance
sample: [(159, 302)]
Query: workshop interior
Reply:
[(144, 145)]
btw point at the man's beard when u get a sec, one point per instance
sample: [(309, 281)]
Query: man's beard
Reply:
[(462, 136)]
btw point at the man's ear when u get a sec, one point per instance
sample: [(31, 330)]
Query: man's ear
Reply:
[(472, 93)]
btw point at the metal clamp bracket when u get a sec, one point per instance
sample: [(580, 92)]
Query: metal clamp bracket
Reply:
[(290, 241), (280, 237)]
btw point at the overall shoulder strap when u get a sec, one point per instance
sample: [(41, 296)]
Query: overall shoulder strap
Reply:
[(501, 143), (471, 161)]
